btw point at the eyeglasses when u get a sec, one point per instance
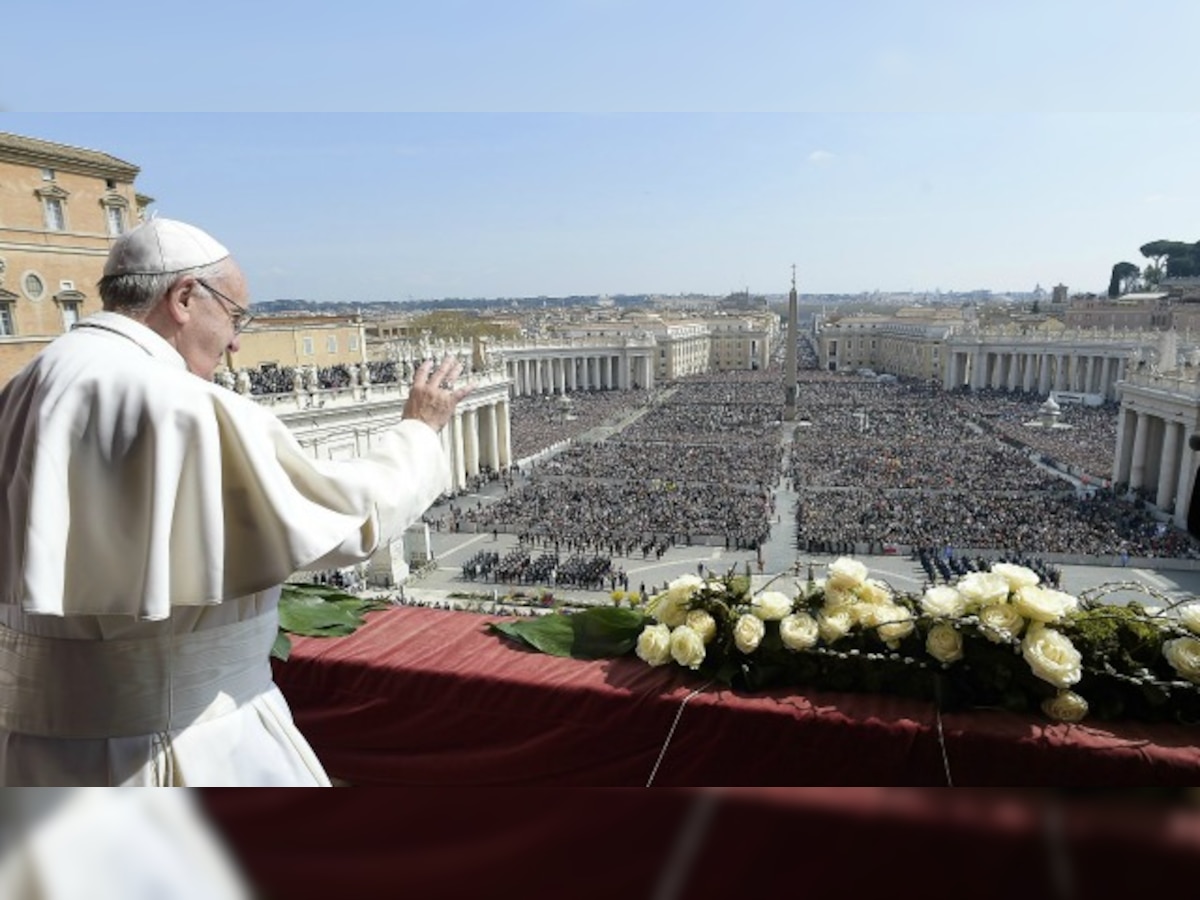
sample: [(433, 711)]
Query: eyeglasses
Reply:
[(241, 318)]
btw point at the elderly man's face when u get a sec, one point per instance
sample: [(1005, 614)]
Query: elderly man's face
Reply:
[(211, 326)]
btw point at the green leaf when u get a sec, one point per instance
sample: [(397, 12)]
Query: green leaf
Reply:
[(550, 633), (314, 617), (606, 631), (282, 648)]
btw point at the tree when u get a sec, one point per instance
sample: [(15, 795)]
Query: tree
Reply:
[(1124, 277), (1173, 259)]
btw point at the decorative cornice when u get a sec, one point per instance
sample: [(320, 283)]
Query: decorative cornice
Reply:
[(46, 154)]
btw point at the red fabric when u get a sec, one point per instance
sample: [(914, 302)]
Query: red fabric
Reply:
[(701, 843), (431, 697)]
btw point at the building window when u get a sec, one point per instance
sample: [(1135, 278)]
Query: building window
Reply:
[(354, 343), (33, 285), (47, 174), (308, 346), (56, 219), (331, 344), (116, 220), (70, 314), (6, 319)]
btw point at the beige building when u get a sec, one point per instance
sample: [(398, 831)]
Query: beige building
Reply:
[(300, 341), (742, 342), (1131, 312), (61, 208), (908, 343)]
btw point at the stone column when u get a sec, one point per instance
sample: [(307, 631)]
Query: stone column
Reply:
[(504, 433), (491, 436), (471, 441), (1168, 467), (458, 468), (1184, 480), (1137, 469)]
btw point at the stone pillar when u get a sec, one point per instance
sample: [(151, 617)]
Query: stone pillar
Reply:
[(1168, 466), (491, 436), (1123, 458), (458, 462), (504, 433), (471, 441), (1141, 434), (1184, 480)]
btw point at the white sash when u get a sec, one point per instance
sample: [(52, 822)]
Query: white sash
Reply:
[(81, 689)]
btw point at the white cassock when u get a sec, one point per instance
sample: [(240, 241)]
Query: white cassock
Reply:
[(149, 518)]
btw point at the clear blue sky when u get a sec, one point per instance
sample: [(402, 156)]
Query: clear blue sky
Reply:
[(368, 151)]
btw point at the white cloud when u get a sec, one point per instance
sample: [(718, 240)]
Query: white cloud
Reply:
[(821, 157)]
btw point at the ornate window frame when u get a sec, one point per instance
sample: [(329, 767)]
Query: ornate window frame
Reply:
[(70, 302), (114, 204), (8, 322), (25, 276), (49, 194)]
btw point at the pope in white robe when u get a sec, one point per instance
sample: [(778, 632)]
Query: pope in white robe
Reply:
[(149, 519)]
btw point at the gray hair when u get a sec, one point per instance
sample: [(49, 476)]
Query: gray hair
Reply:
[(137, 293)]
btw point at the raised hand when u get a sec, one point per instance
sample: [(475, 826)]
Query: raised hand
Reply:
[(433, 396)]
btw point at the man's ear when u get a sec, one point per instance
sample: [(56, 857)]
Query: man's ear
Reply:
[(178, 299)]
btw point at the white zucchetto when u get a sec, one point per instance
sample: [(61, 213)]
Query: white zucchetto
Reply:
[(162, 246)]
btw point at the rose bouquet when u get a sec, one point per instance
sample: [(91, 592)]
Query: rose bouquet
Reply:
[(993, 639)]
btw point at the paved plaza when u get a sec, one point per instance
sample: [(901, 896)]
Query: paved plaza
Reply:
[(781, 562)]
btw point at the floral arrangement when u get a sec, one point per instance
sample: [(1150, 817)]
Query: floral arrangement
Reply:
[(999, 638)]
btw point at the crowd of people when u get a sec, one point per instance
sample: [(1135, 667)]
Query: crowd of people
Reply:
[(268, 379), (698, 467), (898, 464), (521, 566), (543, 420)]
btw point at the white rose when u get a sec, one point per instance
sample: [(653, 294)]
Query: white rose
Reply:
[(893, 623), (1052, 656), (687, 647), (944, 602), (1189, 616), (846, 574), (1184, 656), (1001, 623), (874, 591), (836, 598), (1016, 576), (702, 623), (748, 632), (834, 624), (654, 645), (982, 589), (944, 643), (1043, 604), (1066, 706), (670, 607), (798, 631), (771, 606)]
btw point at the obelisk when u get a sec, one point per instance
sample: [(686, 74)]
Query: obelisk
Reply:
[(789, 364)]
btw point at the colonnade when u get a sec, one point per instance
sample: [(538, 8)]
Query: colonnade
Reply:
[(478, 438), (1037, 371), (569, 370), (1158, 416)]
